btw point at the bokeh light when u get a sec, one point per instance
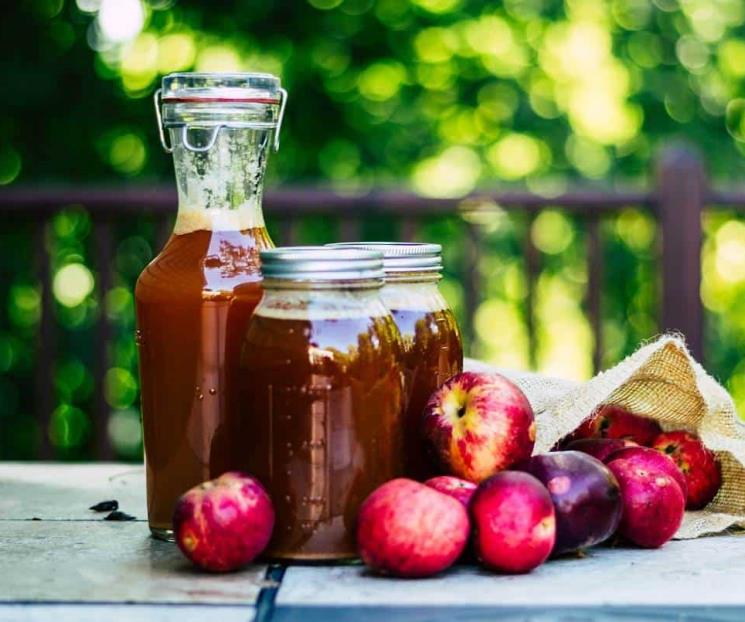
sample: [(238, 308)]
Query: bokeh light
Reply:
[(125, 431), (72, 284), (127, 153), (69, 427), (120, 387), (120, 20), (10, 165)]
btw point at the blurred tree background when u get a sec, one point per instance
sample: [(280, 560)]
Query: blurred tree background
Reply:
[(439, 96)]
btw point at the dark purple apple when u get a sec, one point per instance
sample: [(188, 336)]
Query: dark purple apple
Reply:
[(585, 494)]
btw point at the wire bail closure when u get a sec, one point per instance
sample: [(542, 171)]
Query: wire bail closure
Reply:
[(158, 102)]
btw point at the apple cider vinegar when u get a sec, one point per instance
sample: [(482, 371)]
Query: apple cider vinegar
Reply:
[(194, 300), (432, 348), (321, 396)]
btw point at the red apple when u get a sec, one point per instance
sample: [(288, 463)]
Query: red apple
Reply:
[(614, 422), (224, 523), (478, 424), (599, 448), (586, 497), (652, 459), (653, 503), (407, 529), (459, 489), (514, 524), (700, 466)]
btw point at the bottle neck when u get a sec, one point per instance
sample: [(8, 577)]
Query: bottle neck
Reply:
[(220, 188)]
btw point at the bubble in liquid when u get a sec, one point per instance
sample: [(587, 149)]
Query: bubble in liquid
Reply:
[(139, 338), (213, 391), (288, 498)]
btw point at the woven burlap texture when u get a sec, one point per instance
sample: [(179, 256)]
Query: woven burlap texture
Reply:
[(662, 381)]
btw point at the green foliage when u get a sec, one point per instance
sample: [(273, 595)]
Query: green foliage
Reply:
[(441, 96)]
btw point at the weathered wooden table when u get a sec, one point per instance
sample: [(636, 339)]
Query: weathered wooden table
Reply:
[(60, 561)]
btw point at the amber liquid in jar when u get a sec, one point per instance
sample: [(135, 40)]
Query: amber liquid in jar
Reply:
[(432, 353), (194, 302), (321, 403)]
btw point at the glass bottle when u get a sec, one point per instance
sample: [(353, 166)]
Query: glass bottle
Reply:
[(322, 405), (194, 300), (433, 351)]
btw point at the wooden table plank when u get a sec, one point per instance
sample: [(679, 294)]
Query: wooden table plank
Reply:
[(703, 572), (70, 561), (125, 613), (66, 491)]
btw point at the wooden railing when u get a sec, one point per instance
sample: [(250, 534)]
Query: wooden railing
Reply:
[(676, 200)]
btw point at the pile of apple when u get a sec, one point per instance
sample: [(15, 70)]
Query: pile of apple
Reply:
[(617, 474)]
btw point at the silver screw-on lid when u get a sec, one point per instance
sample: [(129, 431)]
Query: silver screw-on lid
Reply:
[(321, 263), (399, 257)]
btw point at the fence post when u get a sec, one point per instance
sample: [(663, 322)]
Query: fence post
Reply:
[(681, 192)]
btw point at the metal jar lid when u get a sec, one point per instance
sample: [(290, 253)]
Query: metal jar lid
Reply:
[(193, 100), (402, 257), (322, 264)]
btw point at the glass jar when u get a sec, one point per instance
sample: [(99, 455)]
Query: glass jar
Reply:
[(433, 351), (321, 396), (194, 300)]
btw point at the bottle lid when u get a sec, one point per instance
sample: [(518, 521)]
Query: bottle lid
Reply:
[(220, 88), (211, 101), (322, 264), (402, 257)]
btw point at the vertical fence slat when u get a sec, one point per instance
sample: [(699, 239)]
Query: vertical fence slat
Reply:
[(289, 229), (163, 231), (681, 189), (350, 229), (46, 345), (532, 266), (471, 284), (103, 247), (408, 229), (595, 289)]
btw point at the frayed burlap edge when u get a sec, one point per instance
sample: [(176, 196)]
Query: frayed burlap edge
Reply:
[(663, 382)]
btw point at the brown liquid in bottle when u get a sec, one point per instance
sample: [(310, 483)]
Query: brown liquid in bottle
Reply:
[(320, 424), (432, 353), (194, 302)]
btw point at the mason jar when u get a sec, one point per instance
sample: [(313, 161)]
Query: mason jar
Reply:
[(322, 396), (432, 347)]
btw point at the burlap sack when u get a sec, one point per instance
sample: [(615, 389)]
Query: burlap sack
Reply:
[(661, 381)]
